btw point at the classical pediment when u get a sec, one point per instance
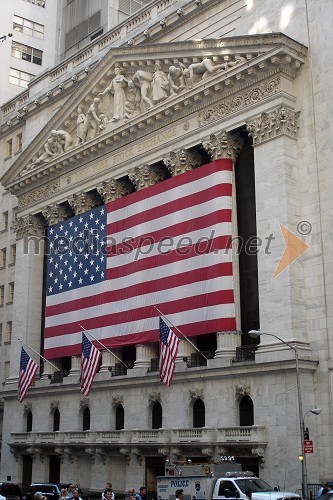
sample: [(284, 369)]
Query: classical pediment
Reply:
[(134, 91)]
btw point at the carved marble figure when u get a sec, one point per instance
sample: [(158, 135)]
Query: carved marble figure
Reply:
[(92, 120), (142, 80), (80, 126), (176, 79), (116, 87), (63, 138), (160, 84), (205, 68), (132, 105)]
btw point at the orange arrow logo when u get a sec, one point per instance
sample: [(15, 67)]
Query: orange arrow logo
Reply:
[(295, 247)]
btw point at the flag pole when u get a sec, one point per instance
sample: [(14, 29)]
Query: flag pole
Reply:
[(104, 347), (33, 350), (181, 333)]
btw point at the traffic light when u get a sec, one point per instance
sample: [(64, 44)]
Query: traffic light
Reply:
[(306, 434)]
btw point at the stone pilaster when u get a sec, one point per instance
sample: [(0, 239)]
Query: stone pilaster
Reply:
[(27, 308), (226, 344), (114, 189), (143, 177), (82, 202), (182, 161), (56, 213), (144, 353), (185, 350), (278, 203), (49, 369)]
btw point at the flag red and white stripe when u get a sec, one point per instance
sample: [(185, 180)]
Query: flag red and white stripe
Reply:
[(170, 247), (169, 348), (28, 370), (90, 361)]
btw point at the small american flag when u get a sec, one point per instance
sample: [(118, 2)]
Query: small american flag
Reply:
[(28, 369), (169, 349), (90, 361)]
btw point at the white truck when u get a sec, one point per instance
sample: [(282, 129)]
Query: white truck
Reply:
[(215, 482)]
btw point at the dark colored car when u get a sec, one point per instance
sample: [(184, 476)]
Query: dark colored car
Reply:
[(10, 490), (49, 490)]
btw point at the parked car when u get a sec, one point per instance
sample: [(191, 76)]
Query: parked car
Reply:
[(10, 490), (50, 490)]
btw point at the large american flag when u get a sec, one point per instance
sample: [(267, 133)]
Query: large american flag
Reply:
[(90, 361), (169, 350), (167, 246), (28, 370)]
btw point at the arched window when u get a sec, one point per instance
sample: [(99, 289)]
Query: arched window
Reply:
[(199, 413), (246, 416), (156, 416), (56, 420), (119, 417), (29, 421), (86, 419)]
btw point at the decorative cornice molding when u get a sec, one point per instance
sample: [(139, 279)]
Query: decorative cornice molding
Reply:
[(54, 405), (31, 225), (242, 390), (117, 400), (84, 402), (196, 394), (153, 397), (39, 194), (27, 407), (222, 145), (269, 125), (182, 161)]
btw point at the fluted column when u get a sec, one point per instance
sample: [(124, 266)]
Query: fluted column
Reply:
[(114, 189), (49, 369), (144, 353), (219, 146), (109, 359), (146, 176), (82, 202), (185, 350), (56, 213), (27, 308), (75, 366)]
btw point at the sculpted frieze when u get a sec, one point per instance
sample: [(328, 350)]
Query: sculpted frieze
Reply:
[(39, 194), (280, 121), (182, 161)]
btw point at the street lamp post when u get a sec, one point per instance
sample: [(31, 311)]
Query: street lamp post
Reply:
[(256, 333)]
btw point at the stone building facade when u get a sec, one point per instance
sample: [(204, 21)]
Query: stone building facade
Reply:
[(244, 81)]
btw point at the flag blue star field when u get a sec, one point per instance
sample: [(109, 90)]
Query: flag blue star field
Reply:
[(168, 246), (28, 369)]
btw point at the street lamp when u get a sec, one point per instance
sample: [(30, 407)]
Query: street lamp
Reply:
[(257, 333), (315, 411)]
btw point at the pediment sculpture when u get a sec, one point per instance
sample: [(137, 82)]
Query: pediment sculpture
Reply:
[(126, 96)]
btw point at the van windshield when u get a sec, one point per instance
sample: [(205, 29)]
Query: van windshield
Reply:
[(253, 484)]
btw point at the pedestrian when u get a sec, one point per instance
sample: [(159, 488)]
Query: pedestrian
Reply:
[(324, 489), (76, 494), (108, 487), (70, 489), (2, 497), (248, 494), (143, 493), (131, 494), (64, 494), (179, 494)]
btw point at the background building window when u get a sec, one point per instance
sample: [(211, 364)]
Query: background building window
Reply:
[(0, 333), (9, 332), (9, 151), (10, 293), (28, 27), (2, 258), (19, 78), (18, 143), (246, 414), (120, 418), (27, 53), (199, 413), (2, 295), (156, 416), (5, 221), (86, 419), (12, 255)]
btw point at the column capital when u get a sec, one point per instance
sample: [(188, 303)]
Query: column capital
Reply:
[(146, 176), (182, 161), (82, 202), (282, 120), (56, 213), (31, 225), (114, 189), (222, 145)]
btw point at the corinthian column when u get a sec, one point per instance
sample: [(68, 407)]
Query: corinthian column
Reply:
[(227, 146)]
